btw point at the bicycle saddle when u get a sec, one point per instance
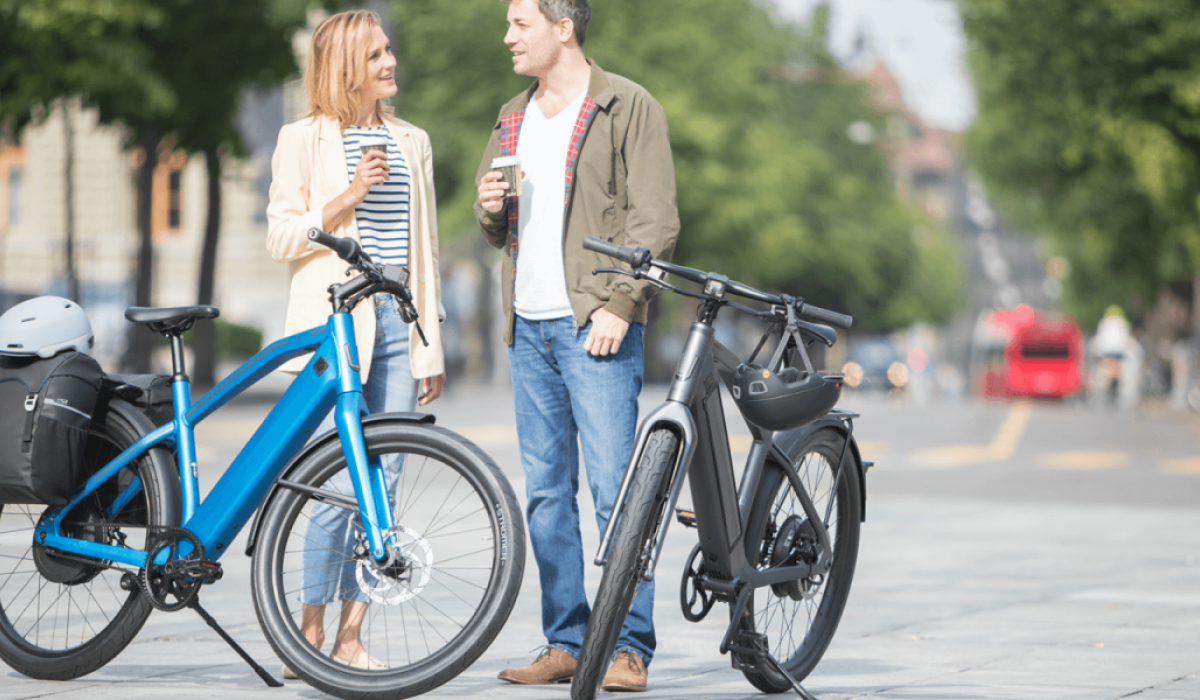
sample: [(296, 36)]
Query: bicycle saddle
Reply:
[(170, 320)]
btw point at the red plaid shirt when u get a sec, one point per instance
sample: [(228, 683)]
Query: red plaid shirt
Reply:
[(510, 133)]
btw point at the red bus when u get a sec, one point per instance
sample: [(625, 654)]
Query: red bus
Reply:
[(1028, 352)]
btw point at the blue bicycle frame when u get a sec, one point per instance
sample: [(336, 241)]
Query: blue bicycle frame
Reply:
[(330, 378)]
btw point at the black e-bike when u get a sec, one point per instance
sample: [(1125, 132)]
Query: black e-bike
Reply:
[(779, 549)]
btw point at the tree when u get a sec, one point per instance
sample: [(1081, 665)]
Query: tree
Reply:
[(50, 51), (169, 70), (210, 52), (1089, 130), (771, 190)]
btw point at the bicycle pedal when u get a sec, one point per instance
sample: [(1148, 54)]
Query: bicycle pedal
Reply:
[(202, 570), (687, 518)]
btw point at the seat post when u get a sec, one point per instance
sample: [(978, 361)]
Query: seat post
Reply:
[(177, 361)]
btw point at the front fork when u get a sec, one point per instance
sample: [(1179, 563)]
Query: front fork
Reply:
[(366, 473), (673, 416)]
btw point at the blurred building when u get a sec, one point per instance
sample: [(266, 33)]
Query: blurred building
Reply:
[(250, 287)]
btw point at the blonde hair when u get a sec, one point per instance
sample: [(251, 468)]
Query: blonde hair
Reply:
[(337, 67)]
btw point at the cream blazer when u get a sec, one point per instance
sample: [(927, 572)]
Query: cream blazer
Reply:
[(307, 171)]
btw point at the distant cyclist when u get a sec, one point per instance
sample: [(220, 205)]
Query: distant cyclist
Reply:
[(325, 174)]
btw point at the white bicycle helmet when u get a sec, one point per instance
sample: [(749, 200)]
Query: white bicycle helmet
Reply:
[(45, 326)]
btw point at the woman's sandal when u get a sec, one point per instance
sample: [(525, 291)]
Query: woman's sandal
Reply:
[(365, 661)]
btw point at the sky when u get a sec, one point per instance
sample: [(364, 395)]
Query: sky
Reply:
[(920, 41)]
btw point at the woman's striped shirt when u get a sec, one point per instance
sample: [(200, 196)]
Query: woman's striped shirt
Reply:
[(383, 216)]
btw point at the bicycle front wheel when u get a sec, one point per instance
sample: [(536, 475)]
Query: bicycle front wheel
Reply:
[(60, 617), (629, 555), (458, 558), (800, 617)]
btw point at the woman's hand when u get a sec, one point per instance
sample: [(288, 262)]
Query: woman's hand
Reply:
[(491, 192), (372, 170), (431, 388)]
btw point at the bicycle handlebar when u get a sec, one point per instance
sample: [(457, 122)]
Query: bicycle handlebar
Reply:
[(392, 279), (346, 248), (637, 257), (640, 258)]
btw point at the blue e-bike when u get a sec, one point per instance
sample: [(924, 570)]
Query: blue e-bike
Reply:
[(426, 532)]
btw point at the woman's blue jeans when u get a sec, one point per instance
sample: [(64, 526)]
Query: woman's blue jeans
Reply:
[(565, 398), (390, 387)]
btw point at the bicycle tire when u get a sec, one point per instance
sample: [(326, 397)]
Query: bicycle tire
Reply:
[(627, 560), (59, 618), (772, 610), (449, 496)]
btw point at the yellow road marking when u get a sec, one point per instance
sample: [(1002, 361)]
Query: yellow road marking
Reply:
[(1186, 465), (1083, 460), (1000, 449)]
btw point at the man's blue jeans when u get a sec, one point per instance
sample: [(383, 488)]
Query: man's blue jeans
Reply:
[(565, 397)]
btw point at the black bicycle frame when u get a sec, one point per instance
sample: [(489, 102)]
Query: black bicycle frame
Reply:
[(693, 411)]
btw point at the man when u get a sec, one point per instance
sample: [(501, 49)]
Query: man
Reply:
[(597, 162)]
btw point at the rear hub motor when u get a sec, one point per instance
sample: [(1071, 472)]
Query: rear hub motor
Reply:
[(63, 568), (795, 543)]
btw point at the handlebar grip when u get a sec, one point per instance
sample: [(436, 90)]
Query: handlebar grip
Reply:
[(636, 257), (346, 248), (826, 316)]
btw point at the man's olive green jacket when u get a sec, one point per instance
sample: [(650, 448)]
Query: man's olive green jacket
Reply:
[(620, 187)]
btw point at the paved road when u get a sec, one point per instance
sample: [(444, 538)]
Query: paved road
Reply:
[(1015, 550)]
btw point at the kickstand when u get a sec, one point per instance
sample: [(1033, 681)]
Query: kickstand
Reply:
[(262, 672), (795, 685)]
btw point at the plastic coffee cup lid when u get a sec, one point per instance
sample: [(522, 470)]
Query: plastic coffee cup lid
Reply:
[(372, 140), (505, 161)]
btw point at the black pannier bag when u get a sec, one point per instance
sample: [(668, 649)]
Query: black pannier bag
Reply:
[(149, 393), (46, 408)]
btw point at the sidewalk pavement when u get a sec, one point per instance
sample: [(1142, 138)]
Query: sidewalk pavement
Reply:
[(952, 598)]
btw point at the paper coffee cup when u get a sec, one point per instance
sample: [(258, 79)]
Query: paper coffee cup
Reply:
[(510, 169), (373, 143)]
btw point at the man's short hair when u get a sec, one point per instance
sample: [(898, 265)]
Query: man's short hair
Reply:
[(578, 11)]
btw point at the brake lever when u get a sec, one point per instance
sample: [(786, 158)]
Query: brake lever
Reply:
[(420, 333), (616, 271), (638, 274)]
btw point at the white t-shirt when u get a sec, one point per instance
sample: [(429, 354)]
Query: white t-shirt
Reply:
[(541, 286)]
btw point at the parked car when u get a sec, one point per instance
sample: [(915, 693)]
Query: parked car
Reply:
[(873, 364)]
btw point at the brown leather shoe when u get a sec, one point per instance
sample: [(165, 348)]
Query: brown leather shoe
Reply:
[(551, 666), (627, 674)]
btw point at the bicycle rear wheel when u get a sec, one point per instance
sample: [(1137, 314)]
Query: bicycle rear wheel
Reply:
[(799, 618), (62, 618), (439, 603), (628, 557)]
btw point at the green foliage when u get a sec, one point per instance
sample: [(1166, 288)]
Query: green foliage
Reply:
[(179, 64), (236, 341), (56, 48), (1089, 130), (771, 191), (209, 51)]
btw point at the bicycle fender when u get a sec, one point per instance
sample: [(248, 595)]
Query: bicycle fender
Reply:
[(670, 415), (315, 444), (161, 460), (786, 441)]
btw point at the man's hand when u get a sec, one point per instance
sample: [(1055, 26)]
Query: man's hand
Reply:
[(431, 388), (608, 330), (491, 192)]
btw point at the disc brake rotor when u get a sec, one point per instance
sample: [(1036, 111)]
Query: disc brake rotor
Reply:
[(410, 563)]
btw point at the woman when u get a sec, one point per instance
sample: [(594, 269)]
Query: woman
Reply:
[(321, 178)]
